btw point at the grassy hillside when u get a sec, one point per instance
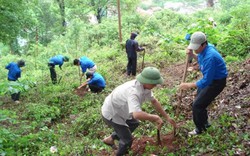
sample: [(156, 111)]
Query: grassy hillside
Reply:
[(54, 115)]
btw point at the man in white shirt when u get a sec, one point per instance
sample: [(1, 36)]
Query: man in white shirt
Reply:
[(122, 108)]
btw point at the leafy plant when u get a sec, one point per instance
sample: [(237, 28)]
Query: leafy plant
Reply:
[(236, 41), (41, 112), (231, 59)]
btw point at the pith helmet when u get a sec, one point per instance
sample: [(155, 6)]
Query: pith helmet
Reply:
[(150, 75)]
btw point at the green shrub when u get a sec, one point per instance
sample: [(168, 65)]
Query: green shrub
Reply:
[(41, 112), (32, 144), (237, 38), (7, 141), (231, 59), (86, 122)]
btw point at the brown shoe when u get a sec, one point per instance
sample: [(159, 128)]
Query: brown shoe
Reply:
[(110, 142)]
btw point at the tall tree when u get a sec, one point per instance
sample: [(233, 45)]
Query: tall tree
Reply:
[(12, 15), (49, 20), (62, 11)]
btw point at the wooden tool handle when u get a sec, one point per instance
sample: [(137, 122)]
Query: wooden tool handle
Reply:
[(158, 137)]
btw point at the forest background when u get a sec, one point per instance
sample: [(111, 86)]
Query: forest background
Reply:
[(53, 115)]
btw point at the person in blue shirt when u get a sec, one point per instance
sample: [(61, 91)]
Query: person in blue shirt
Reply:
[(214, 72), (95, 81), (13, 75), (86, 64), (53, 61), (131, 49)]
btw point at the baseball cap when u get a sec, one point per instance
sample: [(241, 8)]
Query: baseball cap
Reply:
[(197, 39)]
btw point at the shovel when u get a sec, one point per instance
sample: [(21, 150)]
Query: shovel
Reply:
[(59, 79)]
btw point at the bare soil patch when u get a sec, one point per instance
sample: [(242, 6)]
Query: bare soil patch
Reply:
[(234, 100), (81, 92)]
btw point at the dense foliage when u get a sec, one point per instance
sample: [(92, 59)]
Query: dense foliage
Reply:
[(53, 115)]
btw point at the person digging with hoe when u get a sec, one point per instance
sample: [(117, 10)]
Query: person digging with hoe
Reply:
[(122, 108), (53, 61), (214, 72), (95, 81), (13, 75), (86, 64), (131, 49)]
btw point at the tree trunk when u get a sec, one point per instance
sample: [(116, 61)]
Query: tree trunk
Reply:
[(62, 12), (210, 3)]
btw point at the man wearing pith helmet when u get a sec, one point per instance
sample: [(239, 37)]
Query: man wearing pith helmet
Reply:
[(214, 72), (122, 108)]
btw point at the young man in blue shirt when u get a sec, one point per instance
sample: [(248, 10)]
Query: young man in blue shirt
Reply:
[(13, 75), (95, 81), (214, 72), (86, 64), (53, 61)]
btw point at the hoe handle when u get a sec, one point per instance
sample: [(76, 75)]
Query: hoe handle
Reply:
[(142, 65), (158, 137), (183, 80)]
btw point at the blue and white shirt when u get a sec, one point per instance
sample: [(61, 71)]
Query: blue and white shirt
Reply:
[(86, 63)]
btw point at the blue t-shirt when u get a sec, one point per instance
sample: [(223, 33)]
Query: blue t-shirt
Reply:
[(14, 71), (97, 80), (86, 63), (211, 65), (57, 60)]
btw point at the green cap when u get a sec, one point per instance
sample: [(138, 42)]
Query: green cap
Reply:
[(66, 59), (150, 75)]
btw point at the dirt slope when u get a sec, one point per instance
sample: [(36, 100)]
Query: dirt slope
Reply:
[(234, 100)]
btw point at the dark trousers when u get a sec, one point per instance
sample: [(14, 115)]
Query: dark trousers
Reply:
[(95, 89), (131, 66), (15, 96), (53, 75), (204, 98), (123, 134)]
